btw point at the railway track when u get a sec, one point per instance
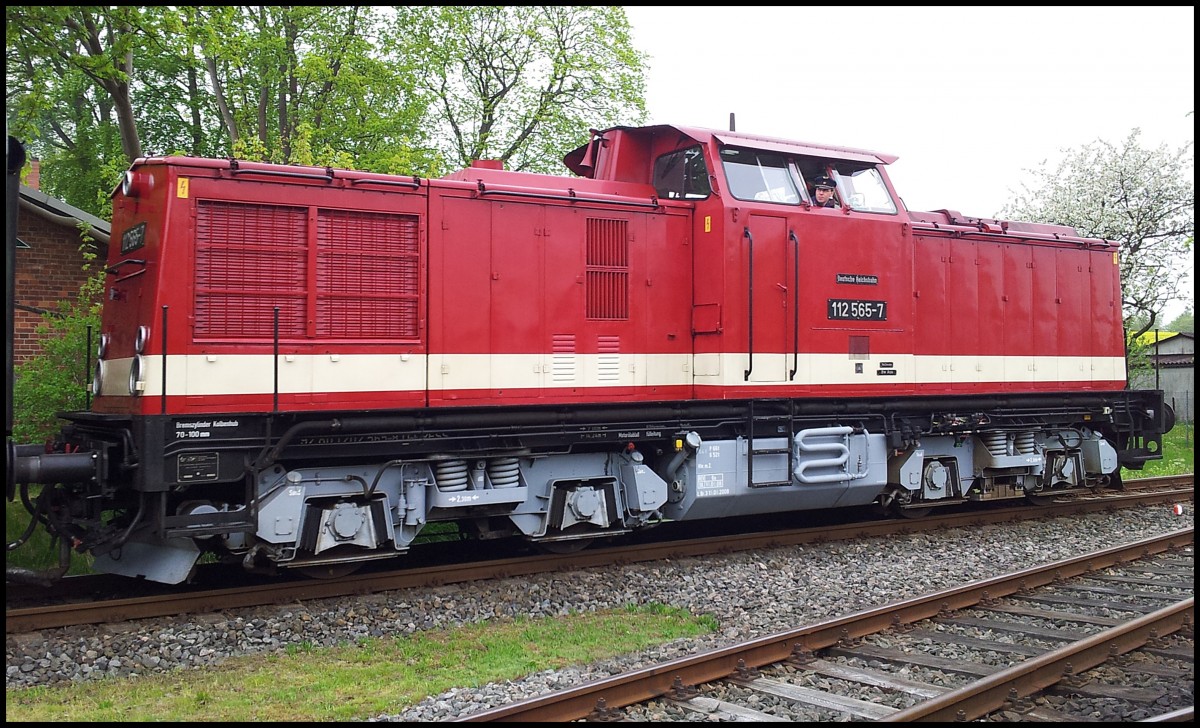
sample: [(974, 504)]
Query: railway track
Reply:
[(1115, 627), (91, 600)]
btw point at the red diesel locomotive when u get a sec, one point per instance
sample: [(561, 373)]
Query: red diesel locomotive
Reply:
[(303, 367)]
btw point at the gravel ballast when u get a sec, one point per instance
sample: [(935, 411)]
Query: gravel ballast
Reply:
[(749, 594)]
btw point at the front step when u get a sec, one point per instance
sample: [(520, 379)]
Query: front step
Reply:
[(753, 452)]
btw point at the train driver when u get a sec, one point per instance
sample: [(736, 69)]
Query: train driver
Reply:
[(823, 192)]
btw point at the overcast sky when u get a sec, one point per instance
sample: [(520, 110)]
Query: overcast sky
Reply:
[(999, 88)]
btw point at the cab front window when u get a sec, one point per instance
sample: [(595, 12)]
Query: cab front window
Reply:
[(865, 190)]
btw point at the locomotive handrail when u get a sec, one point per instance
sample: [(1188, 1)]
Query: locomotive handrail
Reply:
[(571, 196), (134, 274), (275, 362), (795, 306), (750, 305), (414, 184), (163, 348), (236, 170), (960, 231), (112, 269), (87, 370)]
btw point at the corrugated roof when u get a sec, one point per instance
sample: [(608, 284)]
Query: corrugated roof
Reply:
[(1174, 360), (1151, 337), (54, 209)]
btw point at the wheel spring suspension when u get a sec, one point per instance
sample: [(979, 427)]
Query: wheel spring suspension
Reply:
[(504, 473), (996, 443), (452, 476), (1026, 443)]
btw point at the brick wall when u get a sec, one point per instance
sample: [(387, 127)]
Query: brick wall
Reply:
[(47, 272), (33, 178)]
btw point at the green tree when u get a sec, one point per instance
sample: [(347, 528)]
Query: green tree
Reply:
[(55, 380), (313, 86), (91, 88), (67, 87), (1184, 322), (522, 84), (399, 89), (1140, 198)]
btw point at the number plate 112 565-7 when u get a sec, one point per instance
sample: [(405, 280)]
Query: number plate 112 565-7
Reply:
[(842, 309)]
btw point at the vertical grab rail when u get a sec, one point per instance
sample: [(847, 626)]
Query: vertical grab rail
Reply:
[(87, 372), (750, 446), (750, 307), (163, 347), (795, 306), (275, 361)]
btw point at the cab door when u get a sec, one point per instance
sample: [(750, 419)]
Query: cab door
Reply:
[(770, 298)]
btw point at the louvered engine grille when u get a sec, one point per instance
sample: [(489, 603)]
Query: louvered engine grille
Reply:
[(607, 269), (251, 258), (367, 275)]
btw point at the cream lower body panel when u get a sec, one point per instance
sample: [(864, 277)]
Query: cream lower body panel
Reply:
[(255, 374)]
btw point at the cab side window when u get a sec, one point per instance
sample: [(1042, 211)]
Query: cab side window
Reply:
[(756, 175), (682, 175), (812, 170)]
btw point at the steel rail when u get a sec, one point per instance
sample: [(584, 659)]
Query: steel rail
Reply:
[(657, 680), (1034, 675)]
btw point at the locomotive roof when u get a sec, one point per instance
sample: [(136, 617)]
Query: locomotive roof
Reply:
[(573, 159), (759, 141), (643, 138)]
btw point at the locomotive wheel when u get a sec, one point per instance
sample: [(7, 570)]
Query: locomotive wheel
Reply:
[(914, 512), (1039, 499), (892, 502), (329, 571), (563, 548)]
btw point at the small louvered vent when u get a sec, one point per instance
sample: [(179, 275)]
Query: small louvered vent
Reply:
[(607, 269), (563, 361), (608, 359), (250, 259), (368, 273)]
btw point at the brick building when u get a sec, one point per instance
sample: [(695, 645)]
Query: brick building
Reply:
[(49, 260)]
